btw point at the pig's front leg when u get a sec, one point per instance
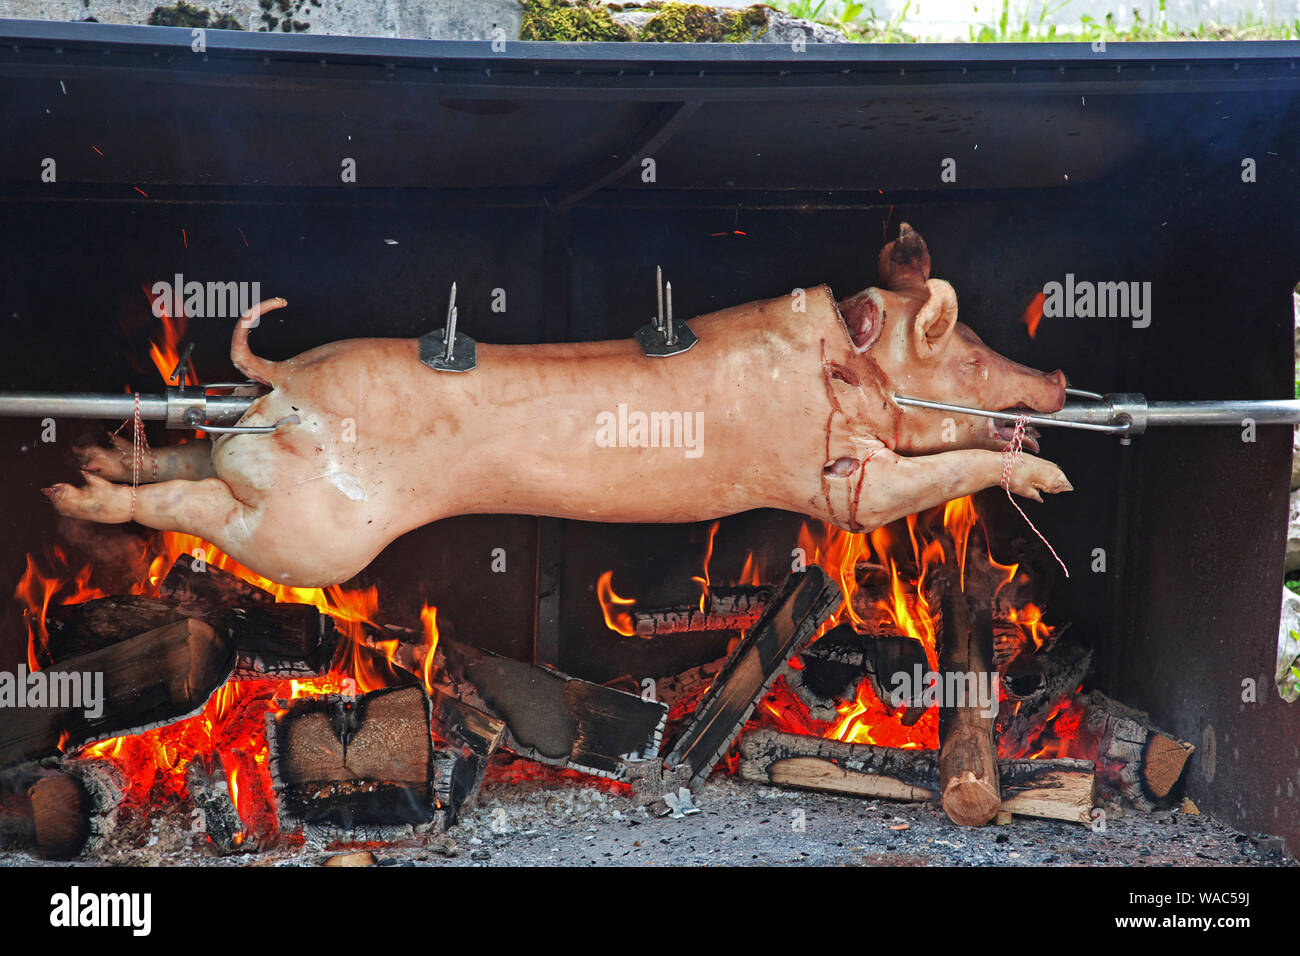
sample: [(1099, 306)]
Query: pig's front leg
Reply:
[(886, 486), (191, 460)]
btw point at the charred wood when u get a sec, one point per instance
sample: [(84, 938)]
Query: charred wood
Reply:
[(968, 769), (345, 761), (815, 763), (205, 779), (835, 665), (555, 719), (270, 640), (1021, 722), (1134, 759), (134, 685), (1059, 789), (725, 609), (1055, 789), (193, 582), (464, 740), (807, 599), (58, 812)]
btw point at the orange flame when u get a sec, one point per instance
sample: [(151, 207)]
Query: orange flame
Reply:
[(618, 621), (958, 519), (1034, 314), (166, 355), (704, 581), (429, 618), (36, 590), (904, 558)]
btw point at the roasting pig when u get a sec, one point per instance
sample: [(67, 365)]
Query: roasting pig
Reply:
[(785, 403)]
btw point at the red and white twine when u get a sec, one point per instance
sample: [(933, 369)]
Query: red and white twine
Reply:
[(139, 446), (1011, 455)]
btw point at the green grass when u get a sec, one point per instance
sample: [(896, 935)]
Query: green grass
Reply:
[(1030, 24)]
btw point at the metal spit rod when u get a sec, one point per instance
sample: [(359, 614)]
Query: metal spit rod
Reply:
[(1128, 413), (1124, 414), (178, 407)]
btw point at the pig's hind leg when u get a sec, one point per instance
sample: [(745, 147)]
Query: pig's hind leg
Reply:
[(191, 460), (206, 508)]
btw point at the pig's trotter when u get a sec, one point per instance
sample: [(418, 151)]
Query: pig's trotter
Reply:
[(191, 460), (205, 508), (97, 500), (113, 463), (1034, 475)]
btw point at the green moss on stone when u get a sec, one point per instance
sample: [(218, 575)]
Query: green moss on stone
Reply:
[(184, 15), (563, 20), (747, 24), (692, 23), (683, 23)]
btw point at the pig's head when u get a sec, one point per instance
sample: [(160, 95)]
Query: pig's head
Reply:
[(908, 326)]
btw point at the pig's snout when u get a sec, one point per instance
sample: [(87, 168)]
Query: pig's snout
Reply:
[(1046, 391)]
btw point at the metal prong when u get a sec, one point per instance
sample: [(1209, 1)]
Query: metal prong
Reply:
[(439, 349), (449, 328), (451, 333), (178, 375), (1081, 393), (659, 284), (670, 337)]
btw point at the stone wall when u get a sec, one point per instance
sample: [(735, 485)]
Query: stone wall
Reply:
[(427, 19)]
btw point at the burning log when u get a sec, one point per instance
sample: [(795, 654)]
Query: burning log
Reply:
[(270, 640), (1023, 676), (60, 815), (57, 812), (469, 737), (789, 621), (191, 582), (281, 640), (1021, 722), (725, 609), (1134, 759), (816, 763), (835, 665), (968, 768), (134, 685), (346, 761), (205, 779), (1052, 789), (1056, 789), (42, 809), (555, 719), (75, 629), (678, 690)]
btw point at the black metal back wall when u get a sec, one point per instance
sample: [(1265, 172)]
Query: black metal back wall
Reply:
[(526, 172)]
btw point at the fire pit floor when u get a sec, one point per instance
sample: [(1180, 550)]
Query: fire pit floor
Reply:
[(544, 819)]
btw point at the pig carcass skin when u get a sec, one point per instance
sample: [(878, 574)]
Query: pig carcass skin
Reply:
[(784, 403)]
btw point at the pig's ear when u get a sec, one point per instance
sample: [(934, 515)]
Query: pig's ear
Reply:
[(935, 320), (905, 262)]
